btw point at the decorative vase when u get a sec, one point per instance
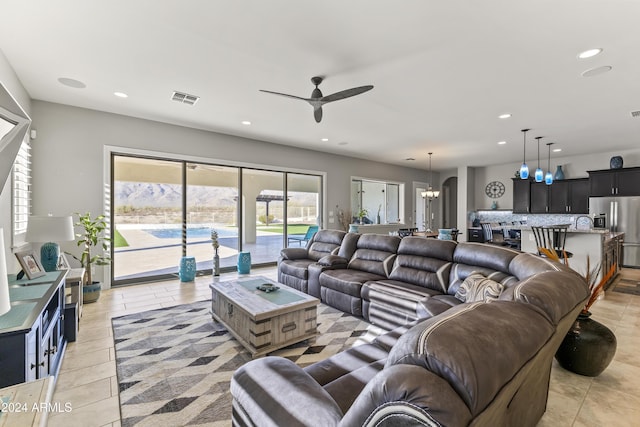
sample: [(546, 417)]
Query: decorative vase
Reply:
[(49, 255), (494, 205), (588, 347), (187, 269), (616, 162), (91, 293), (244, 262), (559, 173), (216, 264)]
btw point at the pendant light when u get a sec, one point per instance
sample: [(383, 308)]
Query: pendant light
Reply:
[(524, 169), (539, 175), (548, 178), (430, 193)]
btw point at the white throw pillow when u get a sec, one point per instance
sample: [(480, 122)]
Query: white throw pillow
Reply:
[(476, 287)]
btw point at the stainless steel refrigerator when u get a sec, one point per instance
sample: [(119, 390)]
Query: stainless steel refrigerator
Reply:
[(623, 214)]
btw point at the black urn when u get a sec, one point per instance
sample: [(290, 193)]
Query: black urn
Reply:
[(588, 347)]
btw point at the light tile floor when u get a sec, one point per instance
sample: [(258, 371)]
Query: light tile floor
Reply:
[(88, 374)]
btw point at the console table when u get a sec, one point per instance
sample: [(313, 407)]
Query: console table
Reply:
[(31, 333)]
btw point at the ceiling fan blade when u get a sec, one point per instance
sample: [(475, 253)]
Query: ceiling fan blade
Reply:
[(346, 93), (317, 114), (284, 94)]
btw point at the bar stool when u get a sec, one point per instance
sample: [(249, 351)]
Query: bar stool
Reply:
[(552, 237)]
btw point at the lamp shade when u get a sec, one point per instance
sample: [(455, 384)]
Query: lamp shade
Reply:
[(49, 229), (5, 302)]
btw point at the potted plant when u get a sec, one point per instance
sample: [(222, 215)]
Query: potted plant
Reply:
[(92, 235), (361, 214)]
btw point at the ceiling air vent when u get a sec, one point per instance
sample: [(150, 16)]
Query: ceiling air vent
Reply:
[(184, 98), (635, 113)]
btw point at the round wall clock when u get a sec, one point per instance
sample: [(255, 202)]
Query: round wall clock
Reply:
[(494, 189)]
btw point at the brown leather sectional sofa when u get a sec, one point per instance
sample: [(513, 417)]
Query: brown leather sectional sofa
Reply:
[(483, 362)]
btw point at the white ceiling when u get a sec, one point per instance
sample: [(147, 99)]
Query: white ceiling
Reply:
[(443, 71)]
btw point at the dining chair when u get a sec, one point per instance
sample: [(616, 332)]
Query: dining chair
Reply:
[(552, 237)]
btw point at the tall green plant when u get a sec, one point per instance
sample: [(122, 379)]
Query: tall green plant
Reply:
[(92, 235)]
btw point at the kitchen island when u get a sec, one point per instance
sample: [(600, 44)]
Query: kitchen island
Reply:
[(599, 245)]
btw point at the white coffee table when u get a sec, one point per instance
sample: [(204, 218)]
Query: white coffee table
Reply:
[(263, 322)]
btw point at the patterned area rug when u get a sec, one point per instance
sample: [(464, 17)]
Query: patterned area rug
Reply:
[(627, 286), (174, 365)]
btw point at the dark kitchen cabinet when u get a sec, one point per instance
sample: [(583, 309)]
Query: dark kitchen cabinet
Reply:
[(539, 197), (521, 195), (569, 196), (614, 182)]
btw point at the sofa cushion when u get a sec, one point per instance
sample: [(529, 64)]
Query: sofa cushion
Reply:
[(493, 350), (325, 242), (424, 262), (347, 281), (375, 254), (476, 287)]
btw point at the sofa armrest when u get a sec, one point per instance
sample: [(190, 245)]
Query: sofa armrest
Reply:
[(267, 392), (294, 253), (335, 261), (401, 394)]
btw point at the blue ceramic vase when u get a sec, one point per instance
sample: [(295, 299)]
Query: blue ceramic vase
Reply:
[(244, 262), (187, 269), (616, 162)]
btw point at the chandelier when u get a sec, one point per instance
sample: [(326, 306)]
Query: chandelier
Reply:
[(430, 193)]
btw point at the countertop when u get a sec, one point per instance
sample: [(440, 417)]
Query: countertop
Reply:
[(605, 233)]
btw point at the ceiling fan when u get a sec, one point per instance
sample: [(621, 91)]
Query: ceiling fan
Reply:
[(317, 100)]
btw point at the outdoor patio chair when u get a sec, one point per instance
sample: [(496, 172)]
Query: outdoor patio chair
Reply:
[(300, 238)]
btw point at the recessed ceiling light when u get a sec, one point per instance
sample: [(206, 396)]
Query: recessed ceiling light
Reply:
[(589, 53), (246, 122), (324, 139), (557, 150), (504, 116), (410, 159), (121, 94), (72, 83), (342, 143), (502, 142), (596, 71)]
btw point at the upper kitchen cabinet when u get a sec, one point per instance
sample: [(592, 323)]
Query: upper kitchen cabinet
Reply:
[(569, 196), (614, 182), (539, 198), (521, 198)]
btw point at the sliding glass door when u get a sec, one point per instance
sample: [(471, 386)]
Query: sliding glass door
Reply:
[(164, 209), (147, 217), (212, 204), (263, 215)]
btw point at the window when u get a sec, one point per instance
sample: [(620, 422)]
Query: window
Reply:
[(21, 192), (382, 201)]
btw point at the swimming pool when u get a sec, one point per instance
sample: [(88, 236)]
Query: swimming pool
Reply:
[(192, 233)]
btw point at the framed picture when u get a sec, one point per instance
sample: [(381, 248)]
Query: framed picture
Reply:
[(63, 263), (30, 264)]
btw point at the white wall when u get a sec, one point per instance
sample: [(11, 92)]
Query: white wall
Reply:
[(68, 158)]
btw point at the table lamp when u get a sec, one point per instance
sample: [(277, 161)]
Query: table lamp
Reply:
[(49, 229), (5, 302)]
